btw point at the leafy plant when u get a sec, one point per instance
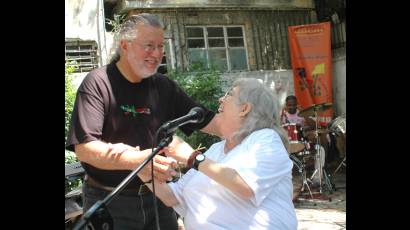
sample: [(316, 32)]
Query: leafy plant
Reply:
[(205, 87), (70, 92), (71, 184), (116, 22)]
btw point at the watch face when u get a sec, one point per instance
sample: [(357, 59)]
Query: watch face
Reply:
[(200, 157)]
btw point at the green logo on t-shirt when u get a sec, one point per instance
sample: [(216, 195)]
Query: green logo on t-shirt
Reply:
[(130, 109)]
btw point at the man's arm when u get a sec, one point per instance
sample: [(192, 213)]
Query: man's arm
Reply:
[(212, 127), (102, 155), (123, 157)]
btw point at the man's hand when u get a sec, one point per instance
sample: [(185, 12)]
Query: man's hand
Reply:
[(163, 166), (164, 169)]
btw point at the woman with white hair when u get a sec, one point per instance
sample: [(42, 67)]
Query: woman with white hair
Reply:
[(243, 181)]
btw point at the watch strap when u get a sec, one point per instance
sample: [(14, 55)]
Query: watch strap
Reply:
[(197, 162), (191, 158)]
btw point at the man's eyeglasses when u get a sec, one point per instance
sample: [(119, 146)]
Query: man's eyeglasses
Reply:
[(152, 47)]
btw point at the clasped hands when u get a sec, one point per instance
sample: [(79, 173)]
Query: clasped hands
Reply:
[(176, 153), (165, 166)]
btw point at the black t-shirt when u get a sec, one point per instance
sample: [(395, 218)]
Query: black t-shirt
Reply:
[(110, 108)]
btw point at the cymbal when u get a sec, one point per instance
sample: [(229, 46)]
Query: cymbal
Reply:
[(310, 111)]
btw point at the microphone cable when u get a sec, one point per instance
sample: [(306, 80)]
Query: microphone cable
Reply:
[(154, 142), (154, 197), (157, 135)]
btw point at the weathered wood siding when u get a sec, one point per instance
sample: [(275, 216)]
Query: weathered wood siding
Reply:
[(266, 34)]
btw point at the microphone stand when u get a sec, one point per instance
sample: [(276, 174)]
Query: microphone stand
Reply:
[(103, 219)]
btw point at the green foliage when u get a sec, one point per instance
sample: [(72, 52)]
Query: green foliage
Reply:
[(205, 87), (71, 184), (70, 92), (116, 22), (69, 95)]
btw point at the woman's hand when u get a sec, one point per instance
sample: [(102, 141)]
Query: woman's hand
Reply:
[(179, 150)]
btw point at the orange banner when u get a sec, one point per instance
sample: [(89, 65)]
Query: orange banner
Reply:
[(311, 59)]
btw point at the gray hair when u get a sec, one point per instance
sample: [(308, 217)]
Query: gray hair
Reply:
[(264, 112), (129, 32)]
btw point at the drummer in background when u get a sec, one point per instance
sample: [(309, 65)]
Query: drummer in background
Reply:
[(290, 114), (291, 111)]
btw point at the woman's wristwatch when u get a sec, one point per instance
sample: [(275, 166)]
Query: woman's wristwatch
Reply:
[(195, 159)]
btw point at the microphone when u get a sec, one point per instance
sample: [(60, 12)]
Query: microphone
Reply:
[(195, 115)]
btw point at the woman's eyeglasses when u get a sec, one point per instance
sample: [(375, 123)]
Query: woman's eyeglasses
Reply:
[(229, 93)]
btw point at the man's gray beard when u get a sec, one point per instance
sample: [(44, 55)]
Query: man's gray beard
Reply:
[(149, 75), (144, 76), (130, 57)]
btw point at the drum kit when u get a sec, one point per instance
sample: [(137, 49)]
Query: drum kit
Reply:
[(301, 147), (338, 129)]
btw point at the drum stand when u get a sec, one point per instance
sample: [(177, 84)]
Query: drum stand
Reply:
[(340, 165), (301, 168), (318, 158)]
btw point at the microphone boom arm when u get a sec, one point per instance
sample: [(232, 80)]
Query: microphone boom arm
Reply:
[(101, 204)]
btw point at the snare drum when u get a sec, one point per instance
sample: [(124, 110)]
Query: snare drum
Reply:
[(338, 129), (295, 136)]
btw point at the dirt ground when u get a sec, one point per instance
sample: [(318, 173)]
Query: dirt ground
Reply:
[(326, 210)]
